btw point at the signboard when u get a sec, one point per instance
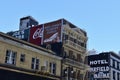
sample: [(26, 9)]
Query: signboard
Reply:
[(52, 32), (100, 75), (22, 34), (36, 35), (99, 65)]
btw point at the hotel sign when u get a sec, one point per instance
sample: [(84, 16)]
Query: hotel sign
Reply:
[(99, 65)]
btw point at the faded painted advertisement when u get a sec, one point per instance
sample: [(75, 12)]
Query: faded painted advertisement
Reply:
[(52, 32), (36, 35)]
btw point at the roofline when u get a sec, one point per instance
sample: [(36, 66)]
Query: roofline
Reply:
[(27, 43), (28, 17), (115, 54), (62, 19)]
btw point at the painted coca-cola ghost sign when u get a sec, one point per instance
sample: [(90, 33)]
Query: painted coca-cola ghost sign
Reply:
[(36, 35)]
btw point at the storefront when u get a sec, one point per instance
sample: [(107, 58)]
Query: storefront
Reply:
[(20, 74)]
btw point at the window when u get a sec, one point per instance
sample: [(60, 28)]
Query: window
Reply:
[(82, 44), (75, 41), (118, 77), (79, 58), (46, 64), (65, 37), (118, 65), (52, 68), (35, 64), (22, 57), (114, 75), (78, 74), (27, 24), (71, 39), (113, 63), (10, 57), (64, 54), (70, 54), (79, 43)]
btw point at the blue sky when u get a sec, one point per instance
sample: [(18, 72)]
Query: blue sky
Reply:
[(99, 18)]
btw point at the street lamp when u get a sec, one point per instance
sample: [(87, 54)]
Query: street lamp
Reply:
[(69, 71)]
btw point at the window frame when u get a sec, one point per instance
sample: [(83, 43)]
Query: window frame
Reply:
[(10, 57), (35, 63), (22, 57), (53, 67)]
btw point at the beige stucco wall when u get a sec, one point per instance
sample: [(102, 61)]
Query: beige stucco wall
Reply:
[(6, 44)]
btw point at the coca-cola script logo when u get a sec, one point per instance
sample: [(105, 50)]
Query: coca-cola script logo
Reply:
[(38, 33)]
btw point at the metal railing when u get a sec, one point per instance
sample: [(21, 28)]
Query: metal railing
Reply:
[(74, 45), (75, 63)]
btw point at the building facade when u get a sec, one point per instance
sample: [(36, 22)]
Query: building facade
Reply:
[(27, 22), (114, 66), (67, 41), (104, 66), (20, 60), (74, 51)]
